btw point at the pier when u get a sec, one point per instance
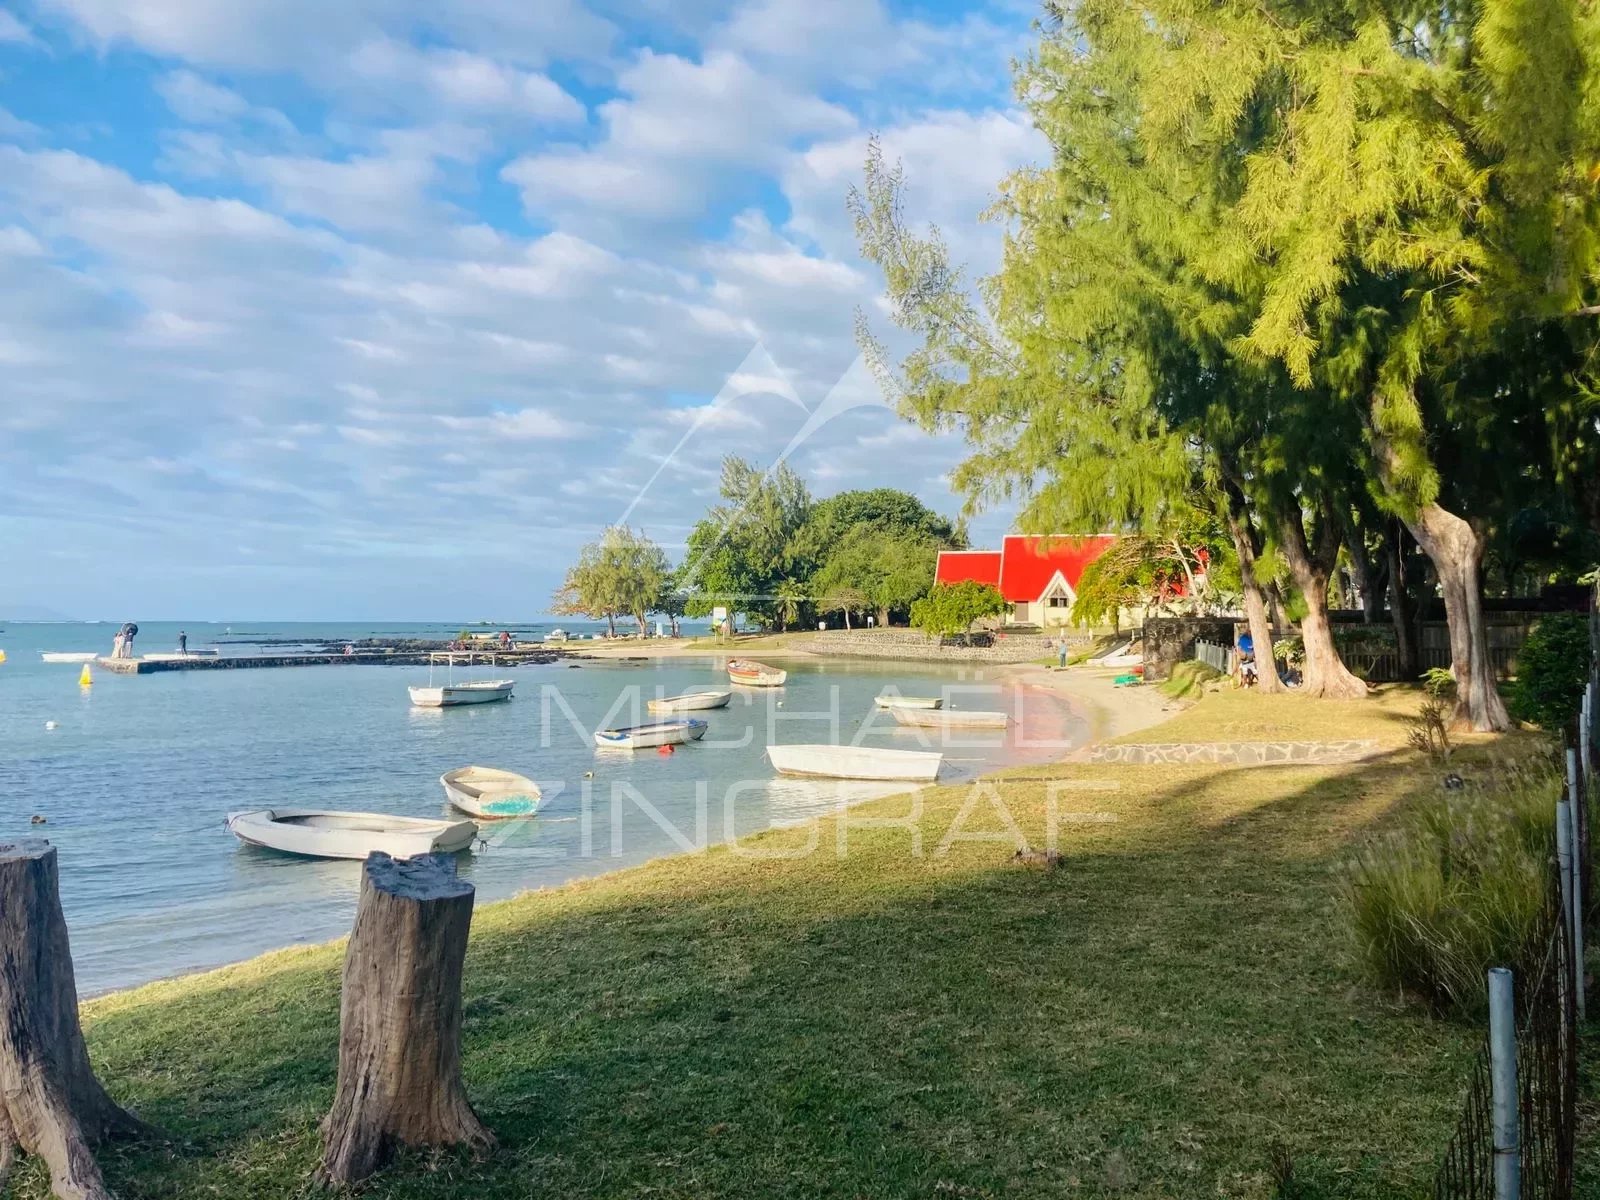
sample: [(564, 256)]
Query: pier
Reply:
[(395, 658)]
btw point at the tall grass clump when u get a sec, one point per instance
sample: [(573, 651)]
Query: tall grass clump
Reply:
[(1462, 887), (1189, 679)]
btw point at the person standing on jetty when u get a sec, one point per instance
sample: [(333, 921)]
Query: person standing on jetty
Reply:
[(183, 642), (129, 632)]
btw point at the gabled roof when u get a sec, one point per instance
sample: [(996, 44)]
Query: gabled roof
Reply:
[(958, 566), (1028, 563)]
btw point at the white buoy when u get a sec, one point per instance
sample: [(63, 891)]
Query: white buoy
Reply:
[(51, 725)]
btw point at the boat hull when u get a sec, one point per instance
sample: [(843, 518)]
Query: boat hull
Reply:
[(947, 718), (491, 795), (648, 737), (909, 701), (690, 702), (754, 674), (58, 656), (454, 695), (320, 833), (855, 762)]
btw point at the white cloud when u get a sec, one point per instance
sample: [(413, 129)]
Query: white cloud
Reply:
[(14, 128), (201, 102), (524, 425), (456, 80)]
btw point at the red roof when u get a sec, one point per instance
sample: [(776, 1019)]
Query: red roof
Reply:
[(1028, 564), (958, 566), (1024, 565)]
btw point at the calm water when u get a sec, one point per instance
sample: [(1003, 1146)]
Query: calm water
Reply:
[(139, 773)]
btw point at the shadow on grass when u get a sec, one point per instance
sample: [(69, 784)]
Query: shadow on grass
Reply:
[(1152, 1020)]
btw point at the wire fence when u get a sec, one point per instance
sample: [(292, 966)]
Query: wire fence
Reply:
[(1529, 1150)]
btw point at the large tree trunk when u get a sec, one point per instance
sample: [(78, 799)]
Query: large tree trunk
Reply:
[(1456, 551), (1326, 675), (400, 1020), (1255, 602), (51, 1104), (1362, 572)]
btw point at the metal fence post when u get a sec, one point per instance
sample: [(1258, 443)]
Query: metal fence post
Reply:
[(1503, 1098)]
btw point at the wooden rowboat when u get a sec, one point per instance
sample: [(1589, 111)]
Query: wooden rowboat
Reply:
[(754, 674), (647, 737), (690, 702), (319, 833), (489, 793), (893, 701), (951, 718), (855, 762), (63, 656)]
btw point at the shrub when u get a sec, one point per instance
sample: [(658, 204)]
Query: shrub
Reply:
[(1464, 886), (1189, 679), (1430, 728), (1551, 669)]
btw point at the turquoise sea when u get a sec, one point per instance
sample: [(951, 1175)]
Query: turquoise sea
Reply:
[(137, 774)]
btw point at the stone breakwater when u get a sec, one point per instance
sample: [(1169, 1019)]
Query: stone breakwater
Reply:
[(142, 666), (1233, 754)]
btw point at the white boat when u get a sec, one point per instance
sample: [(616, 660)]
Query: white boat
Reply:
[(754, 674), (690, 702), (644, 737), (490, 793), (951, 718), (320, 833), (556, 635), (855, 762), (890, 701), (61, 656), (481, 691)]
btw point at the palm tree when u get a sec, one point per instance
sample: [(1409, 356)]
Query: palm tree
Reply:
[(789, 597)]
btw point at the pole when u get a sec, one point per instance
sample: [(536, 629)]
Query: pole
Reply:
[(1503, 1086), (1575, 870)]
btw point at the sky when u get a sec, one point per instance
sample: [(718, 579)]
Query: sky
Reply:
[(319, 309)]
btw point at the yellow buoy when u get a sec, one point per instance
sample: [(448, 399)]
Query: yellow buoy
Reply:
[(2, 656), (85, 679)]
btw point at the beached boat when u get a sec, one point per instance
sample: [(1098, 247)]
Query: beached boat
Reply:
[(481, 691), (646, 737), (320, 833), (754, 674), (490, 793), (62, 656), (855, 762), (891, 701), (691, 702), (950, 718)]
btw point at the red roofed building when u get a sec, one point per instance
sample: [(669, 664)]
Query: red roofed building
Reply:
[(1038, 576)]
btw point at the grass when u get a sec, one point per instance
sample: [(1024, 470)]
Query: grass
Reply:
[(1171, 1014)]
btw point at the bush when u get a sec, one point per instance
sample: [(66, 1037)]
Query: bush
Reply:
[(1463, 887), (1551, 669), (1430, 728), (1189, 679)]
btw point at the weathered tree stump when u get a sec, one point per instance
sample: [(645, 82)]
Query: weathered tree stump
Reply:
[(51, 1104), (400, 1021)]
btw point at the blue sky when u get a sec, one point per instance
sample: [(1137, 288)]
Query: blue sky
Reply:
[(381, 308)]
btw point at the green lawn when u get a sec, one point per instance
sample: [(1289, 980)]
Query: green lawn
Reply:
[(1165, 1017)]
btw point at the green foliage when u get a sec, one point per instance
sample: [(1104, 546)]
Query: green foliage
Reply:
[(1552, 667), (624, 572), (1189, 679), (952, 608), (1430, 728), (1463, 887), (741, 550), (890, 571)]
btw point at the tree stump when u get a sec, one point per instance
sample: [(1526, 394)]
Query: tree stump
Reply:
[(400, 1020), (51, 1104)]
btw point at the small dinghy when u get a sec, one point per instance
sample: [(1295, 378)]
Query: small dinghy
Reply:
[(61, 656), (892, 701), (855, 762), (950, 718), (646, 737), (320, 833), (482, 691), (691, 702), (754, 674), (489, 793)]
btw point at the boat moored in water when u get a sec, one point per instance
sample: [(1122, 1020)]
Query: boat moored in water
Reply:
[(754, 674), (646, 737), (62, 656), (690, 702), (489, 793), (482, 691), (951, 718), (821, 761), (889, 700), (323, 833)]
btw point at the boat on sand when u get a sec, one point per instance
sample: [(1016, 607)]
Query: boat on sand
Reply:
[(690, 702), (754, 674), (322, 833), (855, 762), (646, 737), (951, 718), (489, 793)]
